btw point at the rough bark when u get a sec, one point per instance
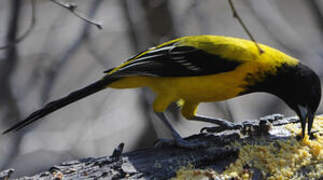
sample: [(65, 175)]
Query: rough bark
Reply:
[(162, 162)]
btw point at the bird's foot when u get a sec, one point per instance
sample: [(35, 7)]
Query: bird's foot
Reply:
[(180, 142), (223, 127)]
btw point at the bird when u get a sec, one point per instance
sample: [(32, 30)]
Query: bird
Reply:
[(205, 68)]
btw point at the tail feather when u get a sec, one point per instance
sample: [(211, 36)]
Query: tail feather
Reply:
[(57, 104)]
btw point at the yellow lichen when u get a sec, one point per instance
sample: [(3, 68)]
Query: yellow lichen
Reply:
[(188, 173), (283, 159)]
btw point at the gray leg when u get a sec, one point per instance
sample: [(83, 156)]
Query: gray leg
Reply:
[(178, 140), (222, 124), (164, 119)]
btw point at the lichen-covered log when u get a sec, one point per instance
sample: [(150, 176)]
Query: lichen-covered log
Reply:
[(266, 148)]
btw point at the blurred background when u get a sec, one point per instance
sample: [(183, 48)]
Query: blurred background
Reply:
[(47, 52)]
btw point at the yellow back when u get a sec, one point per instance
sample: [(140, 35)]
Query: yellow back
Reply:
[(214, 87)]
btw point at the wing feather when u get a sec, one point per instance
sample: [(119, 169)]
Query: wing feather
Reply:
[(175, 61)]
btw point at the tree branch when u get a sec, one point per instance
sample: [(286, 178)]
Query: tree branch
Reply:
[(73, 9), (227, 156), (236, 15)]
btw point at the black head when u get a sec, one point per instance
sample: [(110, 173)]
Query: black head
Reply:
[(298, 86), (306, 97)]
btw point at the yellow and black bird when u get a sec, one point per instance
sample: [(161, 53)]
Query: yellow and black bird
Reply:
[(206, 68)]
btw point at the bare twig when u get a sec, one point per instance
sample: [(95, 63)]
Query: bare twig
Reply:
[(236, 15), (73, 9), (270, 17), (30, 28), (56, 68)]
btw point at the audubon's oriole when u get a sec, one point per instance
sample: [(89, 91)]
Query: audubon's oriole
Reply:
[(206, 68)]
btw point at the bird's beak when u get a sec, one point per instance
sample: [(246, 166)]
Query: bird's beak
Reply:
[(305, 115), (310, 120)]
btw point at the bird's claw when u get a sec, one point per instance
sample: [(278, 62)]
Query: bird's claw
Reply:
[(213, 129)]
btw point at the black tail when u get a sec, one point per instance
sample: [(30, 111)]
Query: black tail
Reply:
[(57, 104)]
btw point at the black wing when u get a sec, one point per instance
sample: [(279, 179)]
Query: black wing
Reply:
[(176, 61)]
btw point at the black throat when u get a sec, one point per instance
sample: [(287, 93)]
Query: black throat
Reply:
[(295, 84), (281, 83)]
